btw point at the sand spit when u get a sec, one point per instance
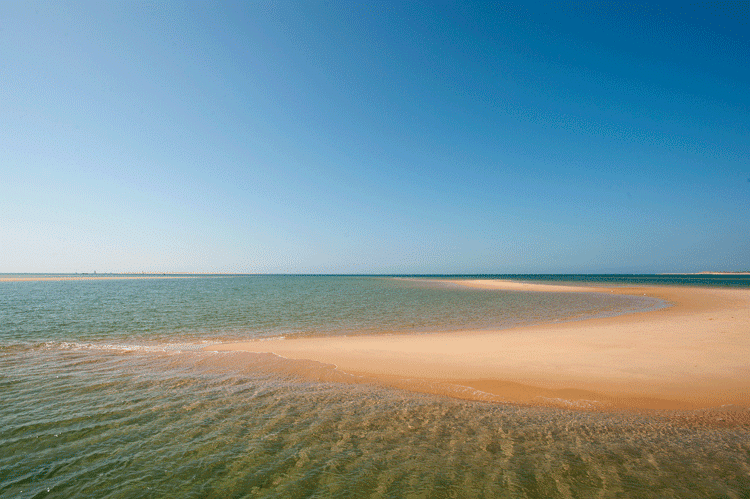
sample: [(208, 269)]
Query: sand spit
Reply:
[(691, 355)]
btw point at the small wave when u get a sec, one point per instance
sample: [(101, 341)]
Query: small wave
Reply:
[(124, 347)]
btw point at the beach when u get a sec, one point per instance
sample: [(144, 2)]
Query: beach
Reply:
[(461, 387), (693, 354)]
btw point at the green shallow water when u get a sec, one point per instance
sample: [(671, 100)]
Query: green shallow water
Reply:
[(140, 425), (105, 394), (157, 311)]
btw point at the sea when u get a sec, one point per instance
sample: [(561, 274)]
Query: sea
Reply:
[(106, 391)]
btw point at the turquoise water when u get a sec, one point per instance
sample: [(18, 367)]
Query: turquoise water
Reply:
[(105, 393), (158, 311)]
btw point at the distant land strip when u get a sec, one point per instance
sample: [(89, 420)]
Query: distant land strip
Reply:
[(737, 272), (105, 277)]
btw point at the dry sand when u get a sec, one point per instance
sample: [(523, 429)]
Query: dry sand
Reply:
[(693, 354)]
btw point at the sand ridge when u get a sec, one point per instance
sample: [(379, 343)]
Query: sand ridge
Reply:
[(693, 354)]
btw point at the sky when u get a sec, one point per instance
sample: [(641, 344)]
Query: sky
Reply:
[(374, 137)]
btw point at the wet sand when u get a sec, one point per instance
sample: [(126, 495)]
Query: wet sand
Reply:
[(693, 354)]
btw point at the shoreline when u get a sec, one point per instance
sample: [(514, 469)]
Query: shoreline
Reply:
[(691, 355)]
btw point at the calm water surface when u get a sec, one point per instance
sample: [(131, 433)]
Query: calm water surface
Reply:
[(105, 393)]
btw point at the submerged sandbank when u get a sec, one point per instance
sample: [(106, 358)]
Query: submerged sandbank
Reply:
[(693, 354)]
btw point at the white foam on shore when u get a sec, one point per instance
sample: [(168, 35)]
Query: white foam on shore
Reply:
[(162, 348)]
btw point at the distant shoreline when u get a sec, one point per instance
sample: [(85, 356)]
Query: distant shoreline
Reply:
[(705, 273), (105, 277), (31, 277)]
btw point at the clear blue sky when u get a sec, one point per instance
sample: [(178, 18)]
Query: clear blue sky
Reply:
[(321, 137)]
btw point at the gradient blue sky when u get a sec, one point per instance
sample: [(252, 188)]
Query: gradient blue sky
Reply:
[(330, 137)]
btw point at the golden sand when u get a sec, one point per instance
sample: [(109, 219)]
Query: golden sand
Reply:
[(693, 354)]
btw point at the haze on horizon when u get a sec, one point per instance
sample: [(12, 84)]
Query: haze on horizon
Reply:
[(374, 137)]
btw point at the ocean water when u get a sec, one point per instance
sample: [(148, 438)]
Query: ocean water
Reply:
[(104, 392)]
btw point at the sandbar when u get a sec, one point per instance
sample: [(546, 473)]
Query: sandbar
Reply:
[(692, 354)]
